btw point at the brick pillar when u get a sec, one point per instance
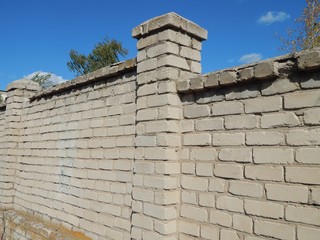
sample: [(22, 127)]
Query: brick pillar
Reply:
[(19, 93), (168, 50)]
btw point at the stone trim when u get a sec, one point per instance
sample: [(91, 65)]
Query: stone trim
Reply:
[(308, 60), (105, 72)]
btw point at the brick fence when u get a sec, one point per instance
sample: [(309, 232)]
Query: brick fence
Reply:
[(151, 149)]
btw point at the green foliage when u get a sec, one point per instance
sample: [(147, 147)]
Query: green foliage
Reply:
[(103, 54), (43, 79), (307, 33)]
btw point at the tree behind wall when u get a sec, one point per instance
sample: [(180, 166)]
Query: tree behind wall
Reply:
[(307, 33), (103, 54)]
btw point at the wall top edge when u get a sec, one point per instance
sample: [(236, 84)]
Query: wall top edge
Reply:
[(169, 20), (307, 60), (105, 72)]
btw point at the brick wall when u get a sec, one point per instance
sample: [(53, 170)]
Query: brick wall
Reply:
[(151, 149), (250, 157)]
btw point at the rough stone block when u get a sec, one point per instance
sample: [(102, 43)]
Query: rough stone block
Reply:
[(281, 85), (227, 77), (309, 60), (173, 61), (212, 80), (246, 74), (264, 70), (303, 137)]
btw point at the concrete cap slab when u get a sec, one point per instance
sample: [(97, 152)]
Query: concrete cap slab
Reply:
[(24, 84), (169, 21)]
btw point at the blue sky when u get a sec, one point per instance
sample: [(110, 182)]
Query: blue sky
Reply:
[(37, 35)]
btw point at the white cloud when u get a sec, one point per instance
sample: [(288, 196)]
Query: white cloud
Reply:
[(54, 78), (249, 58), (272, 17)]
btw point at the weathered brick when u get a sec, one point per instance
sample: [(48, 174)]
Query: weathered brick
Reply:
[(206, 199), (203, 154), (217, 185), (274, 230), (315, 196), (210, 232), (303, 137), (241, 122), (228, 139), (308, 233), (209, 124), (281, 192), (196, 111), (308, 155), (242, 223), (306, 175), (193, 183), (272, 155), (222, 218), (227, 108), (312, 116), (265, 138), (232, 204), (194, 213), (236, 155), (229, 234), (246, 189), (264, 209), (198, 139), (274, 120), (281, 85), (302, 100), (301, 214), (204, 169), (265, 104), (189, 228), (228, 171), (269, 173)]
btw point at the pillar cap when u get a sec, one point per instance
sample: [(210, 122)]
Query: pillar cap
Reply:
[(169, 21), (24, 84)]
